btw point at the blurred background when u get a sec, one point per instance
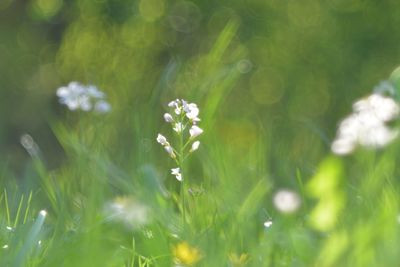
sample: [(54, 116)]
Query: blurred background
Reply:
[(276, 73), (272, 79)]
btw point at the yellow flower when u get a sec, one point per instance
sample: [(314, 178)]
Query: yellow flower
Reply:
[(185, 254), (238, 260)]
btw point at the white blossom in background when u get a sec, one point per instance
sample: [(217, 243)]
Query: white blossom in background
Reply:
[(366, 126), (128, 211), (183, 117), (80, 97), (286, 201)]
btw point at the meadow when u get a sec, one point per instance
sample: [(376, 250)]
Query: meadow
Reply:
[(199, 133)]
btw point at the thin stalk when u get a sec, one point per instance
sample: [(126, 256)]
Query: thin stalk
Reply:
[(181, 147), (18, 211), (28, 206)]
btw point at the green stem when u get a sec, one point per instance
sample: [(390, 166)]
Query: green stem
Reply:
[(181, 147)]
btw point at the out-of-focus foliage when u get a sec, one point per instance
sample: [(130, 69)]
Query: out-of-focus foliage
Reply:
[(272, 78), (292, 67)]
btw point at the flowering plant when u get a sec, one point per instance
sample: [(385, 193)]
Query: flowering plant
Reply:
[(183, 119)]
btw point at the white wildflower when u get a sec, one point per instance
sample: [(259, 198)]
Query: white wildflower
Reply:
[(287, 201), (195, 131), (162, 140), (268, 224), (174, 103), (177, 105), (195, 146), (71, 95), (168, 117), (5, 246), (366, 126), (177, 173), (381, 107), (192, 112), (77, 96)]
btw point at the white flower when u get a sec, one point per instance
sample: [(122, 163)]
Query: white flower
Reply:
[(381, 107), (70, 95), (77, 96), (366, 126), (343, 146), (195, 131), (174, 103), (177, 105), (170, 151), (162, 140), (287, 201), (268, 224), (192, 112), (195, 146), (168, 117), (177, 173), (178, 127)]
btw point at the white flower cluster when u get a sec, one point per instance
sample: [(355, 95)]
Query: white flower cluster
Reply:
[(77, 96), (366, 126), (183, 119)]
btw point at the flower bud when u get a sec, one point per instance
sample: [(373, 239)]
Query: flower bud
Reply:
[(195, 131), (162, 140), (168, 117), (195, 146)]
